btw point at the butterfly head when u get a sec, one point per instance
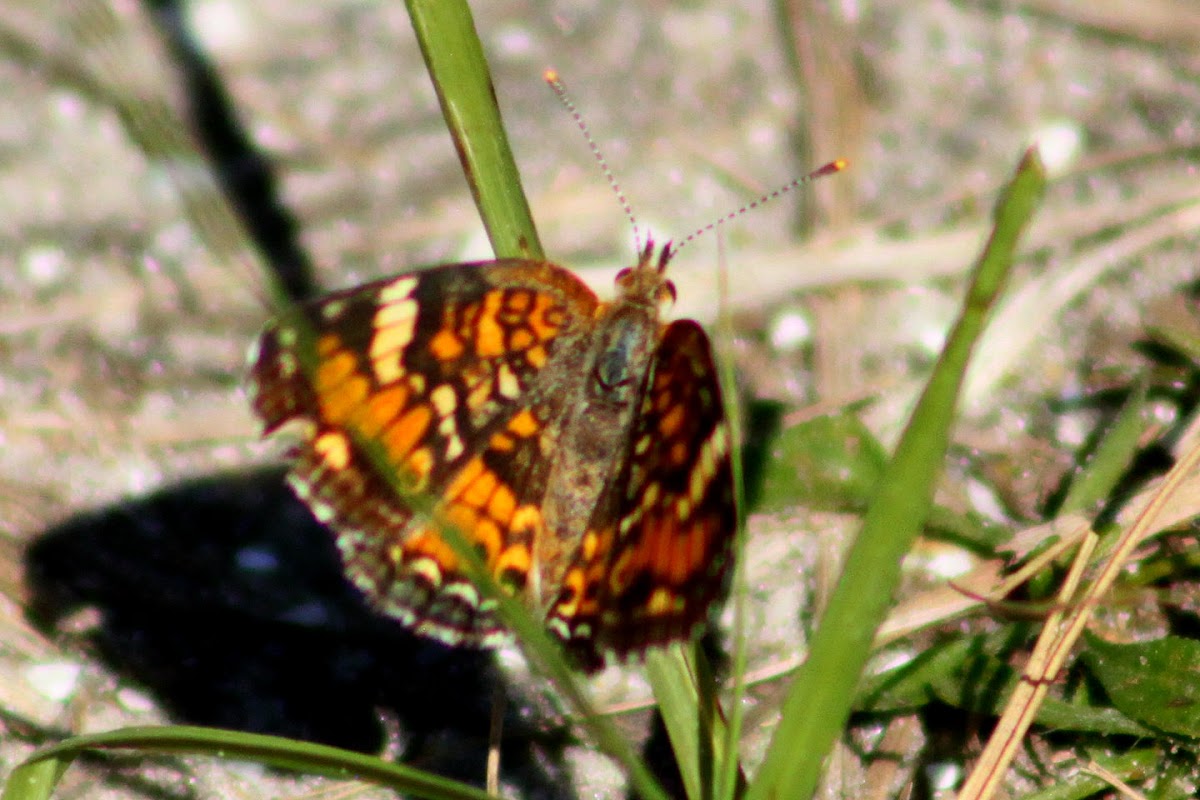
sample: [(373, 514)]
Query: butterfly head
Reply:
[(647, 283)]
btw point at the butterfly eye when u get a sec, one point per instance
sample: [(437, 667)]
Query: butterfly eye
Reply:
[(668, 292)]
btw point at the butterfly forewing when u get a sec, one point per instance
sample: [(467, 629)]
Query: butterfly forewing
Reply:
[(430, 377)]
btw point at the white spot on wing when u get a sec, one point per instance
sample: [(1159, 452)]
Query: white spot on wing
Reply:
[(444, 400), (333, 309), (507, 383), (399, 289)]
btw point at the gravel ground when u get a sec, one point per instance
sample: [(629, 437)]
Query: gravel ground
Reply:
[(129, 459)]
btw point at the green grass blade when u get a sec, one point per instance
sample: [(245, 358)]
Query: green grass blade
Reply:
[(459, 71), (456, 64), (1101, 473), (101, 52), (728, 776), (819, 701), (545, 658), (704, 745), (273, 750), (542, 652), (676, 691), (35, 779), (687, 699)]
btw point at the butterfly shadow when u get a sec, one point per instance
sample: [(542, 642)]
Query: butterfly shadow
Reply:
[(225, 599)]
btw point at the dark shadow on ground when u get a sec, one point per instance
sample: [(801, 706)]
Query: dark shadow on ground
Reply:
[(225, 599)]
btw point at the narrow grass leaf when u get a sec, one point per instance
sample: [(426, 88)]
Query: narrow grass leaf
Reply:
[(687, 700), (819, 701), (1111, 459), (459, 71), (454, 57), (272, 750), (36, 778), (106, 49), (728, 776)]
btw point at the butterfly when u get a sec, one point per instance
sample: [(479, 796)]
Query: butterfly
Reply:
[(580, 446)]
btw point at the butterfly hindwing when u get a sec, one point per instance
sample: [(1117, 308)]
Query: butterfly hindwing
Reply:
[(655, 555)]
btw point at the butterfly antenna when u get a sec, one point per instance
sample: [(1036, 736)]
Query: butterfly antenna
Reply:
[(828, 169), (550, 76)]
